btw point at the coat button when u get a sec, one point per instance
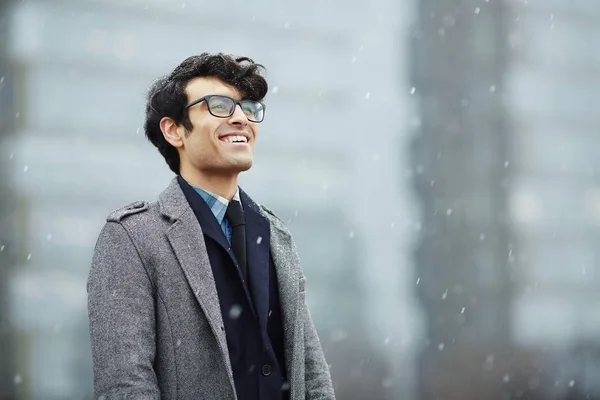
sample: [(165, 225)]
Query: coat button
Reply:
[(266, 370)]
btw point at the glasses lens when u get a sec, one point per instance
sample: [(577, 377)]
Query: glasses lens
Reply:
[(221, 106), (254, 110)]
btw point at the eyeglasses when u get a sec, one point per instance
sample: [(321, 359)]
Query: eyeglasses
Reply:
[(223, 107)]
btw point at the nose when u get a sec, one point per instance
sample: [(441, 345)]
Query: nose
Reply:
[(238, 117)]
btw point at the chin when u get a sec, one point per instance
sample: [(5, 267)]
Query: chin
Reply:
[(241, 165), (246, 167)]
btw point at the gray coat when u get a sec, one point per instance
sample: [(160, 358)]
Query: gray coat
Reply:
[(155, 321)]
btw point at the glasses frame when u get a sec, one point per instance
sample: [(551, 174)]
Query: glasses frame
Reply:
[(235, 101)]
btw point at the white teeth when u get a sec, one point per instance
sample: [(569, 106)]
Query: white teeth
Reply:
[(231, 139)]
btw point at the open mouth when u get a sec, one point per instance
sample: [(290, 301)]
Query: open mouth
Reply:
[(234, 139)]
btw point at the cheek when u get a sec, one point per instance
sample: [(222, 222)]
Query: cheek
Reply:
[(200, 134)]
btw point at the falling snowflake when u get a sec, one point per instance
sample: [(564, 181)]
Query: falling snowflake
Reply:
[(413, 90), (477, 10), (18, 379), (259, 240), (449, 211), (275, 89), (235, 312), (25, 168), (441, 346), (367, 95)]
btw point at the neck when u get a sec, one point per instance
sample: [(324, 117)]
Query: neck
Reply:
[(224, 185)]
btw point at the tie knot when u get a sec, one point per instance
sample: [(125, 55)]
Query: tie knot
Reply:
[(234, 213)]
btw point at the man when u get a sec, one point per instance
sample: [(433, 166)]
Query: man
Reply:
[(200, 295)]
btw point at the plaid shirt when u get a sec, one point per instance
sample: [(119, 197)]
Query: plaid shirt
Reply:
[(218, 206)]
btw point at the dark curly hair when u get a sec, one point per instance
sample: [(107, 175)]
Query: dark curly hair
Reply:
[(167, 96)]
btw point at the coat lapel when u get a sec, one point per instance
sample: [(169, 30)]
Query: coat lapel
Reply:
[(187, 240), (287, 267), (257, 248)]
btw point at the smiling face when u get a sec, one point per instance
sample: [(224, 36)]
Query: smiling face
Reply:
[(215, 146)]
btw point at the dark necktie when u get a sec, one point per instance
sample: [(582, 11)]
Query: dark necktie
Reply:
[(235, 216)]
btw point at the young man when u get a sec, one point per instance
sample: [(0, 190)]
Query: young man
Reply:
[(200, 295)]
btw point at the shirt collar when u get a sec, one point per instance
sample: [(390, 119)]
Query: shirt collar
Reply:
[(217, 204)]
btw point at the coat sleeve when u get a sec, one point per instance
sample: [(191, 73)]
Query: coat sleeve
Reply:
[(122, 319), (317, 376)]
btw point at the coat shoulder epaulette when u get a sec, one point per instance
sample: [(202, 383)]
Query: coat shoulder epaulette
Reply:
[(124, 212)]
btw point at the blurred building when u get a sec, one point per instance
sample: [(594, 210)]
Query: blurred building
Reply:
[(7, 202), (552, 99), (74, 150), (507, 176), (460, 150)]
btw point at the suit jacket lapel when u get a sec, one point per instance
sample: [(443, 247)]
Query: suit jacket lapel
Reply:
[(206, 218), (210, 227), (257, 248)]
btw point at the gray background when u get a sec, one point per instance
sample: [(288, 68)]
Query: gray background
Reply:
[(435, 160)]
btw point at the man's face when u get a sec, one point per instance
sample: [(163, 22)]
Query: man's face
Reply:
[(209, 146)]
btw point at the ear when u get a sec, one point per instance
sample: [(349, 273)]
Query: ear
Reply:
[(172, 133)]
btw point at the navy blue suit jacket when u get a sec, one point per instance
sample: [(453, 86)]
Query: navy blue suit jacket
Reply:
[(251, 310)]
